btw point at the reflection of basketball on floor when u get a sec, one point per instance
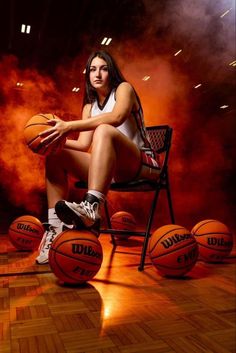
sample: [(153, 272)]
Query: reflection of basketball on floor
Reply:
[(123, 220), (26, 232), (214, 239), (173, 250), (75, 256), (39, 123)]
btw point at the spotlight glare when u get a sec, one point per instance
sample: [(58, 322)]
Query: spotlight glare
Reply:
[(25, 28), (75, 89), (197, 86), (233, 63), (178, 52), (106, 41), (225, 13), (224, 106), (22, 28), (145, 78)]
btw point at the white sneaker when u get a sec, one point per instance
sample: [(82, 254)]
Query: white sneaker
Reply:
[(85, 213), (50, 234)]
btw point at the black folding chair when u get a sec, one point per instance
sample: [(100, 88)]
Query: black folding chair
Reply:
[(160, 140)]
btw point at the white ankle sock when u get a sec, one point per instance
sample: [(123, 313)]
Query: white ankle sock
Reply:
[(52, 218), (100, 196)]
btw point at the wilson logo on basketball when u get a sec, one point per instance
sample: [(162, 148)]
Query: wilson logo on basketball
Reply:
[(82, 271), (219, 242), (174, 239), (128, 220), (27, 227), (24, 241), (188, 257), (85, 250)]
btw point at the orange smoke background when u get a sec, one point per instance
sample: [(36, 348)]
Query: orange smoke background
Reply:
[(201, 165)]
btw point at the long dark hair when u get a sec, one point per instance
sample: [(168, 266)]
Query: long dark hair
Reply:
[(115, 76)]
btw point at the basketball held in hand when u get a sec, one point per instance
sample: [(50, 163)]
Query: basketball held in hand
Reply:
[(35, 125)]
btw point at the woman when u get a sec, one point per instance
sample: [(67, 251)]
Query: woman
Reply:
[(112, 145)]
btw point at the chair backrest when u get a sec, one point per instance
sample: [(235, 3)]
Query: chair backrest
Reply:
[(160, 139)]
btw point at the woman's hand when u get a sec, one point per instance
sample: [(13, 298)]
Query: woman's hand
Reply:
[(55, 134)]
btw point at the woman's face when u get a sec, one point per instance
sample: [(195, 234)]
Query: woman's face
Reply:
[(98, 74)]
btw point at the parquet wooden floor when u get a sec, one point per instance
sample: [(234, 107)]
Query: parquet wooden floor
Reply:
[(120, 310)]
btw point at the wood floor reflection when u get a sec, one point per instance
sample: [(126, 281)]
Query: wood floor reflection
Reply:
[(120, 310)]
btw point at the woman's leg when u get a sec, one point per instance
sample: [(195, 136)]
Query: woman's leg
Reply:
[(113, 155), (58, 167)]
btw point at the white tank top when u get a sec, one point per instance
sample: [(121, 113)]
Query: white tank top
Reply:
[(133, 127)]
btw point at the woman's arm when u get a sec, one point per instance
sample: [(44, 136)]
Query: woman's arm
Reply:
[(125, 100), (85, 138)]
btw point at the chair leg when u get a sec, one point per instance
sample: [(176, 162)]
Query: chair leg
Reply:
[(109, 222), (148, 229), (172, 217)]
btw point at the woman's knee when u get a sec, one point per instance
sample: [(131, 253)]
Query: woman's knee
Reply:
[(104, 131)]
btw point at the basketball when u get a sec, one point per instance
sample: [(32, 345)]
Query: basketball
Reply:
[(123, 220), (26, 232), (75, 256), (214, 239), (173, 250), (39, 123)]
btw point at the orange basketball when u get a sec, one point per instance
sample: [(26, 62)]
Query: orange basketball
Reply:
[(173, 250), (26, 232), (32, 129), (75, 256), (214, 239), (123, 220)]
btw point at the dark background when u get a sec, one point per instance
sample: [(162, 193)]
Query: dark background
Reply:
[(49, 62)]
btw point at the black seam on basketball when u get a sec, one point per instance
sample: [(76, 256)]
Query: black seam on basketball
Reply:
[(174, 250), (122, 223), (203, 224), (54, 259), (174, 268), (32, 140), (66, 240), (164, 235), (28, 235), (44, 116), (31, 222), (15, 243), (19, 246), (208, 233), (76, 258), (66, 273), (214, 249), (37, 124)]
